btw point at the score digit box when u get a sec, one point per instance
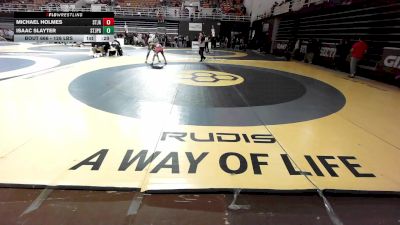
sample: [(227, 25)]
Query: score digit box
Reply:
[(108, 21), (108, 30)]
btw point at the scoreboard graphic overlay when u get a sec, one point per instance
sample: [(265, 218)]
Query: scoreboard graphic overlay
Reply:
[(63, 26)]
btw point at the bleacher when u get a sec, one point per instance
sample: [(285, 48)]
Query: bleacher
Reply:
[(149, 3), (170, 9), (206, 4), (376, 23), (226, 6), (145, 26), (144, 3)]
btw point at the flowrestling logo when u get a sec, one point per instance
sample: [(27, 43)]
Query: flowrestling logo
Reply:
[(64, 15)]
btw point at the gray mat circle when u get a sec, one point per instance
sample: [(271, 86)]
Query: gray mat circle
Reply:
[(136, 90)]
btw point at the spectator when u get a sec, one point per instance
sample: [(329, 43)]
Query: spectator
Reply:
[(213, 42), (296, 48), (151, 46), (312, 50), (202, 45), (175, 41), (243, 45), (290, 49), (98, 50), (181, 40), (206, 42), (357, 53), (342, 53), (187, 41)]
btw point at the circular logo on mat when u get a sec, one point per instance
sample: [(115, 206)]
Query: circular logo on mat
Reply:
[(201, 95), (209, 78)]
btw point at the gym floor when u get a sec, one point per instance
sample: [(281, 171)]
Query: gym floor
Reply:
[(241, 138)]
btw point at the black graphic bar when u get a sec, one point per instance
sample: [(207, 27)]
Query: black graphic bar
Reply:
[(55, 22), (58, 30)]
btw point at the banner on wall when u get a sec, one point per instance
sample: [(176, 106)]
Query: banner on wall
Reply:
[(265, 27), (328, 50), (96, 7), (391, 60), (280, 46), (302, 50), (195, 26), (195, 45)]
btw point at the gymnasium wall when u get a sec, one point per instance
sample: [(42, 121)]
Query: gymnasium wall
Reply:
[(376, 22)]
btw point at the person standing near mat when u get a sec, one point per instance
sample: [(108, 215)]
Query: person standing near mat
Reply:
[(206, 44), (153, 40), (357, 53), (202, 45), (312, 51), (159, 49)]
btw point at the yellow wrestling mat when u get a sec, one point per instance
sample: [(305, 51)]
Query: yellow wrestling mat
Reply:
[(60, 128)]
